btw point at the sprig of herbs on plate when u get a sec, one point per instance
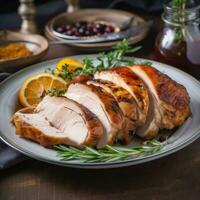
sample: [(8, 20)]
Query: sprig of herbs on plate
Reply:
[(117, 56), (178, 7), (88, 68), (110, 153), (107, 60), (56, 92), (49, 70)]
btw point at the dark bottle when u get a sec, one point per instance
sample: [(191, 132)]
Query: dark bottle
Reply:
[(178, 44)]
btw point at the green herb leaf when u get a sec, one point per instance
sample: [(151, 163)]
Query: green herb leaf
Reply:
[(107, 60), (56, 92), (87, 69), (65, 73), (116, 57), (49, 70)]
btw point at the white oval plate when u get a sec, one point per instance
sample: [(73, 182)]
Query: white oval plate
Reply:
[(182, 137)]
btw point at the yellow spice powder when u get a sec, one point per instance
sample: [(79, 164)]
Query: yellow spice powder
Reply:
[(13, 51)]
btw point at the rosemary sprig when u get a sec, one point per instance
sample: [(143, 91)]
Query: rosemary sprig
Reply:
[(178, 7), (109, 153)]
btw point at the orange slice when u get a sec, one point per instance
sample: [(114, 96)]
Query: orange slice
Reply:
[(35, 88), (72, 64)]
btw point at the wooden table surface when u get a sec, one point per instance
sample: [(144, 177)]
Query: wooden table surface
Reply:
[(172, 178)]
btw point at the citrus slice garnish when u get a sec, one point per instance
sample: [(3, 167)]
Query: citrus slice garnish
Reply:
[(71, 64), (35, 88)]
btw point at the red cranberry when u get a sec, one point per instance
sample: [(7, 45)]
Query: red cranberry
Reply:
[(89, 25), (108, 29), (87, 33), (77, 33), (78, 24), (95, 30), (69, 32), (83, 28), (60, 29), (68, 26)]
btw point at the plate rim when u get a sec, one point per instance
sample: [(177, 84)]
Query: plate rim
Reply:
[(128, 162)]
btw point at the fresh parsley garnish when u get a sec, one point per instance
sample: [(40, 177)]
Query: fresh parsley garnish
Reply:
[(65, 73), (88, 68), (49, 70), (116, 57), (56, 92), (106, 60)]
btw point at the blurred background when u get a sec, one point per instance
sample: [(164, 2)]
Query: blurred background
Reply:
[(47, 9), (45, 18)]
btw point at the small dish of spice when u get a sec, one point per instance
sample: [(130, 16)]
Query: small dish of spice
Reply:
[(18, 50), (14, 51)]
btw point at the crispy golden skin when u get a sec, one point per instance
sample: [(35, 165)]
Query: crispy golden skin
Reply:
[(110, 105), (124, 77), (127, 104), (112, 109), (123, 97), (137, 86), (173, 99)]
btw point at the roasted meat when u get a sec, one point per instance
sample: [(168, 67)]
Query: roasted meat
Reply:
[(170, 98), (103, 105), (113, 106), (128, 80), (127, 104), (59, 120)]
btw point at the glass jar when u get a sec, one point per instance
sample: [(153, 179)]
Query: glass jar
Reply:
[(178, 44)]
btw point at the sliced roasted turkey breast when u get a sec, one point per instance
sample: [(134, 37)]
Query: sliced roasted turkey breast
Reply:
[(151, 127), (170, 98), (128, 80), (122, 96), (103, 105), (127, 104), (58, 120)]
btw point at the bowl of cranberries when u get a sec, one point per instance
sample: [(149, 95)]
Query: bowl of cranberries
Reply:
[(84, 29), (90, 23)]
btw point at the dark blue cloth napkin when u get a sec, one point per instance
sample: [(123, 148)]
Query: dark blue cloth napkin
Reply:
[(8, 156)]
